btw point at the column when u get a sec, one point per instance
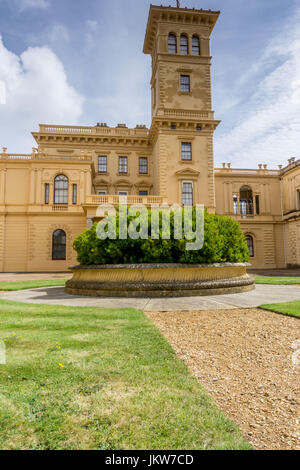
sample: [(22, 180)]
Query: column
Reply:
[(32, 187), (39, 187)]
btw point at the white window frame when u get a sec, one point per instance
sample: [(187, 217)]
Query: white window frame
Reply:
[(182, 183)]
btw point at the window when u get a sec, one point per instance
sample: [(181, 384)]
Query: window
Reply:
[(143, 165), (195, 45), (143, 193), (61, 186), (123, 166), (102, 192), (257, 204), (184, 44), (186, 151), (173, 127), (47, 193), (102, 164), (59, 245), (246, 201), (187, 193), (74, 194), (172, 44), (250, 244), (185, 83), (235, 204)]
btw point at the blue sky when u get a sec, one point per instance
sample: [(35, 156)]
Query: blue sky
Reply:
[(81, 62)]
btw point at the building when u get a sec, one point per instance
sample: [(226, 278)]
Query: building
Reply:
[(49, 196)]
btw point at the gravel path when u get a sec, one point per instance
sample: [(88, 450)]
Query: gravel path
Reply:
[(244, 359)]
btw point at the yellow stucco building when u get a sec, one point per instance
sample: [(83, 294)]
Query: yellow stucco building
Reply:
[(49, 196)]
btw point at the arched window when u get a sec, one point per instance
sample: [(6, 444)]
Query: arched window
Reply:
[(59, 245), (61, 186), (195, 45), (250, 244), (172, 44), (246, 200), (184, 44)]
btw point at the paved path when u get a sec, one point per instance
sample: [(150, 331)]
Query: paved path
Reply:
[(263, 294), (16, 277)]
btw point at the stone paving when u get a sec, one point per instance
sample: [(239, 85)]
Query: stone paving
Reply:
[(263, 294)]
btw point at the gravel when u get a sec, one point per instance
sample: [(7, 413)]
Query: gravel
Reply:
[(243, 357)]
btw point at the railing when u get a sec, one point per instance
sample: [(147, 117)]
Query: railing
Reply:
[(114, 199), (12, 156), (257, 171), (189, 114), (42, 156), (51, 129), (66, 129)]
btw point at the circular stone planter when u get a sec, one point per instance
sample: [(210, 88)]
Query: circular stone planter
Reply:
[(159, 280)]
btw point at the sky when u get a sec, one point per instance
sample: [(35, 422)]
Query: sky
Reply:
[(79, 62)]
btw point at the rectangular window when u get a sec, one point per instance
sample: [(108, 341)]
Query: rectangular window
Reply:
[(74, 194), (102, 164), (143, 193), (186, 151), (187, 193), (235, 204), (143, 165), (102, 192), (185, 83), (257, 204), (47, 193), (122, 193), (123, 165)]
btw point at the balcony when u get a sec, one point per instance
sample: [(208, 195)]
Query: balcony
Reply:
[(41, 156), (115, 200)]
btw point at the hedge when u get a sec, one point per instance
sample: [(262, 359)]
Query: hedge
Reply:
[(223, 242)]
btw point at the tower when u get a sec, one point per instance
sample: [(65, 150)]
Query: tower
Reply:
[(182, 117)]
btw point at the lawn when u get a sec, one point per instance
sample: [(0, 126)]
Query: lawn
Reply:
[(287, 308), (19, 285), (91, 378), (277, 280)]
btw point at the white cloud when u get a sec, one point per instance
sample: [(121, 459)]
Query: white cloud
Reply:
[(268, 126), (52, 35), (27, 4), (37, 91), (92, 27), (92, 24), (58, 32)]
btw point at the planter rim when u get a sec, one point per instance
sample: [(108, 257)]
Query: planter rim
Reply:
[(157, 266)]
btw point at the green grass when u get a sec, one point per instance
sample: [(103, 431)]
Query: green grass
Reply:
[(287, 308), (19, 285), (277, 280), (121, 387)]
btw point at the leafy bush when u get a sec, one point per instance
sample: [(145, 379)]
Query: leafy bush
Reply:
[(223, 242)]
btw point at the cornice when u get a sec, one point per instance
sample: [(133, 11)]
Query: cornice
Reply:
[(77, 140)]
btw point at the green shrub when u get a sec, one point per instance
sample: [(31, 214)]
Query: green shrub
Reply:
[(223, 242)]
